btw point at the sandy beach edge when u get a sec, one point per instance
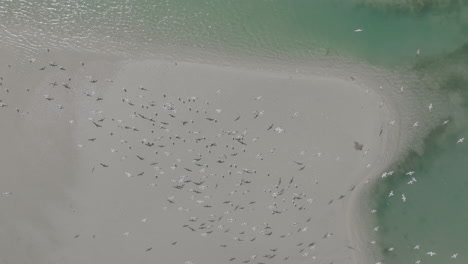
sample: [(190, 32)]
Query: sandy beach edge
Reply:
[(385, 154), (358, 213)]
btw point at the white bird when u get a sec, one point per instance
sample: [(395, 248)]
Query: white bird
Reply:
[(461, 140), (418, 261), (430, 253), (454, 255), (403, 197), (445, 122), (390, 194), (415, 124), (410, 173), (402, 89), (418, 52), (430, 107), (376, 228), (392, 122), (416, 247), (358, 30), (279, 130)]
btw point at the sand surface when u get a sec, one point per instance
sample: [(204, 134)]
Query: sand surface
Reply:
[(176, 162)]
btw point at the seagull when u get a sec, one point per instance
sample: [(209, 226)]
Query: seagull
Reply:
[(418, 52), (390, 194), (403, 197), (461, 140), (279, 130), (415, 124), (430, 253), (445, 122), (358, 30), (454, 256), (416, 247), (410, 173), (430, 107)]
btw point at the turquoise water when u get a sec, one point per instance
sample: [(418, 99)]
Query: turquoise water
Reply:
[(435, 214)]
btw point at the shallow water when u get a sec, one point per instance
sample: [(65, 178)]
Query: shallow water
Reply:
[(435, 214)]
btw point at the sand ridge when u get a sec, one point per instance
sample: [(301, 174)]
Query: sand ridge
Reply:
[(179, 162)]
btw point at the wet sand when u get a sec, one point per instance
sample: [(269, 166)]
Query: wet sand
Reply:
[(179, 162)]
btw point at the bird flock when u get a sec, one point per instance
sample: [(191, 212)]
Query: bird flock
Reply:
[(218, 167)]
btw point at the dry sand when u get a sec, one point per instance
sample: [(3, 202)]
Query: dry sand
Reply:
[(176, 162)]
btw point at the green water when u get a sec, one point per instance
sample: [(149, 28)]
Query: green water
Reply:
[(436, 212)]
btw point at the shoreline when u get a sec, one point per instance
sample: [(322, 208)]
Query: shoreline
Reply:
[(358, 221), (167, 73)]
